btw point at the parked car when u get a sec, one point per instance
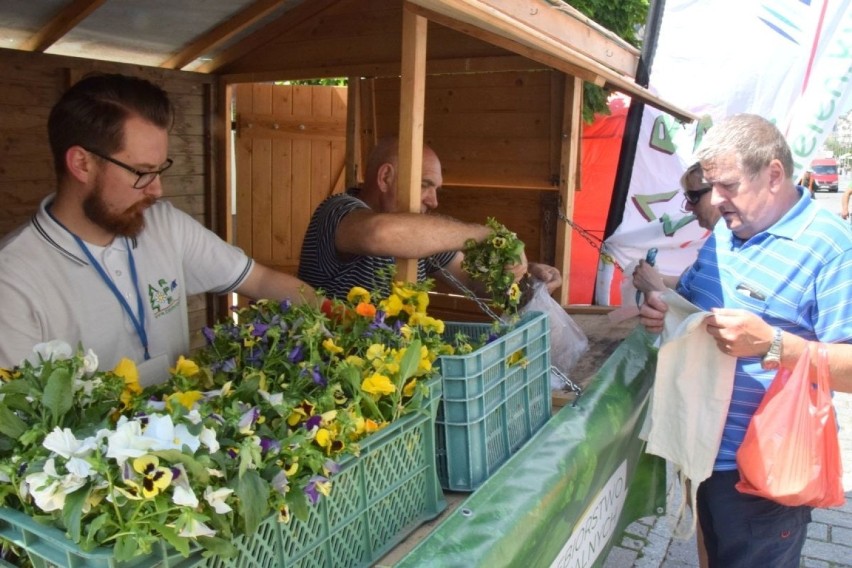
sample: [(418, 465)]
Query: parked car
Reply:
[(824, 174)]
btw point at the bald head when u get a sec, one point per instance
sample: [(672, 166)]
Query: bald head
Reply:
[(381, 178)]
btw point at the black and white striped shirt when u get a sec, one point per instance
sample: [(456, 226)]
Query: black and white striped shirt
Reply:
[(321, 267)]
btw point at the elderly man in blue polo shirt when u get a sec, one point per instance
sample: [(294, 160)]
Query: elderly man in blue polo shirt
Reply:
[(775, 275)]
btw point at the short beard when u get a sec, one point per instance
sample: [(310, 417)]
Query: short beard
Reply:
[(127, 224)]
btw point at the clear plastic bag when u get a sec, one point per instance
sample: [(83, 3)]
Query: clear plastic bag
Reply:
[(567, 341)]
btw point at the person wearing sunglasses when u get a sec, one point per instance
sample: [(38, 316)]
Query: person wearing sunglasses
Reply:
[(696, 200), (773, 277), (105, 263)]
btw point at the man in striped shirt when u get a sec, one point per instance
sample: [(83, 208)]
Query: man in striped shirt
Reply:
[(354, 237), (774, 276)]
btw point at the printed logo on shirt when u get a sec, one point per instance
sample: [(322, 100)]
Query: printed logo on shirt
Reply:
[(163, 297)]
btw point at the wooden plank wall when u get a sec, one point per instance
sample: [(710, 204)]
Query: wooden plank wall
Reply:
[(30, 84), (290, 153), (496, 138)]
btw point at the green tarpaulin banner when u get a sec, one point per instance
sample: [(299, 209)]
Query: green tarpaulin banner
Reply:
[(565, 498)]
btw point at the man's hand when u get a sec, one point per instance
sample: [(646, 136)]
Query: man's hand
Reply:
[(647, 278), (739, 333), (550, 275), (520, 268), (653, 311)]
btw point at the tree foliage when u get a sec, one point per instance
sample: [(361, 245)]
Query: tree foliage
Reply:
[(625, 18)]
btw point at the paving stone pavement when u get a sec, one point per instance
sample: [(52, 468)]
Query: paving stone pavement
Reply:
[(648, 543)]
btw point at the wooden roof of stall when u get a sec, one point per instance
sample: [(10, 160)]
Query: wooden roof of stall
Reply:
[(254, 40)]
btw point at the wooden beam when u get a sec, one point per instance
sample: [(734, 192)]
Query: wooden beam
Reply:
[(511, 45), (411, 112), (291, 19), (488, 64), (475, 17), (569, 178), (353, 128), (62, 23), (559, 20), (221, 33)]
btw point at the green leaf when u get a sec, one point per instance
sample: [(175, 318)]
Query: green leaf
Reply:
[(16, 387), (58, 395), (298, 505), (195, 470), (409, 363), (72, 512), (125, 547), (93, 528), (221, 547), (179, 543), (252, 492), (10, 424)]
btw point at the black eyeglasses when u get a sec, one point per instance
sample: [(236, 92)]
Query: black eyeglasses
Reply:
[(145, 178), (694, 196)]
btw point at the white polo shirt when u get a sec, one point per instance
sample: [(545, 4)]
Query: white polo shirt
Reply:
[(50, 290)]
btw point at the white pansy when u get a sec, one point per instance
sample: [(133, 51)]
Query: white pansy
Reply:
[(126, 441), (64, 443), (208, 438), (182, 493), (79, 467), (194, 416), (50, 351), (273, 399), (90, 361), (217, 497), (166, 436), (156, 405), (49, 489), (195, 529)]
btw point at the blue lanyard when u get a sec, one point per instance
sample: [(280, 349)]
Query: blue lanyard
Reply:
[(138, 322)]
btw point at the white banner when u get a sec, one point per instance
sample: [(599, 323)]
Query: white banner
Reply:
[(787, 60)]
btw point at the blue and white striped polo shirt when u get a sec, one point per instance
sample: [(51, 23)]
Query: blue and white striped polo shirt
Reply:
[(795, 275), (321, 267)]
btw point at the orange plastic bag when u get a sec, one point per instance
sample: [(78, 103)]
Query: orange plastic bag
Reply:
[(790, 453)]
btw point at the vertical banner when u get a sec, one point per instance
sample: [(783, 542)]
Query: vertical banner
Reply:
[(787, 60)]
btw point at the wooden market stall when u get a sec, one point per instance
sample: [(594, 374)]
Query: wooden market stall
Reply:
[(494, 86)]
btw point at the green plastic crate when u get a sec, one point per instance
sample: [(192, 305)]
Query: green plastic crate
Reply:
[(377, 499), (490, 407)]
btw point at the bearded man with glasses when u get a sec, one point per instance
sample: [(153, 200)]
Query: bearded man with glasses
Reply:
[(104, 263)]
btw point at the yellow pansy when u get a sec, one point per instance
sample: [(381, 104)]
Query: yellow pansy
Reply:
[(5, 375), (403, 291), (126, 369), (422, 301), (155, 478), (358, 294), (323, 438), (185, 367), (330, 346), (392, 306), (376, 351), (378, 385), (186, 399), (355, 361), (408, 389), (514, 292)]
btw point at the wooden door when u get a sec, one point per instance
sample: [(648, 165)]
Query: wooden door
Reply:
[(290, 155)]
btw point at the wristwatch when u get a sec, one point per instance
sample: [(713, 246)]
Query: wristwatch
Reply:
[(772, 359)]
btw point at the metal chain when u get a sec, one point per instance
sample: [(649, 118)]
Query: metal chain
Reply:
[(468, 293), (593, 240), (569, 384)]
